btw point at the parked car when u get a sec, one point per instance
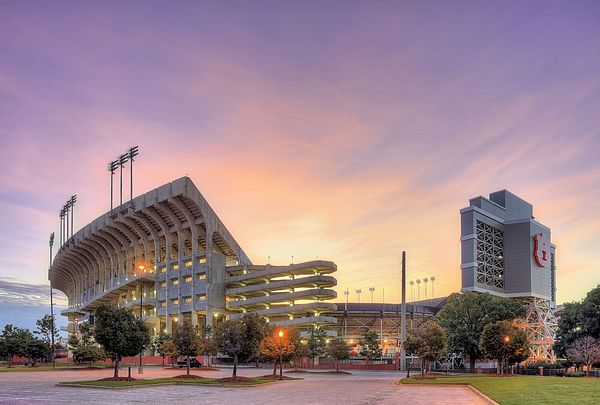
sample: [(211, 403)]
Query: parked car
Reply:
[(194, 363)]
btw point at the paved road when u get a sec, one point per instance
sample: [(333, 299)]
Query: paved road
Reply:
[(362, 387)]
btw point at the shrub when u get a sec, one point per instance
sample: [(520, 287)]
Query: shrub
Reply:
[(575, 374)]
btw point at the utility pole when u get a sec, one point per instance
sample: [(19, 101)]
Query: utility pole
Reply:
[(52, 349), (403, 315)]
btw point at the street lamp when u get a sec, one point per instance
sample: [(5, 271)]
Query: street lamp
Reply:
[(142, 270), (280, 334)]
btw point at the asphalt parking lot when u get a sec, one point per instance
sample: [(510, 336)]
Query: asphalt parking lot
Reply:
[(362, 387)]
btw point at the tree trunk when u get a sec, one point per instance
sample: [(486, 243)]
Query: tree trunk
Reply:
[(337, 366), (499, 367), (472, 360), (235, 366), (116, 376), (188, 365), (274, 368), (163, 361), (422, 368)]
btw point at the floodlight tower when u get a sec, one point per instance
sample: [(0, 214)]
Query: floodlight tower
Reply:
[(412, 290), (112, 166), (418, 281), (372, 290), (425, 280), (122, 160), (358, 291), (432, 278), (71, 203), (51, 243), (131, 154)]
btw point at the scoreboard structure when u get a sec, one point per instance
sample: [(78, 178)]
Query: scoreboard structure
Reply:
[(506, 252)]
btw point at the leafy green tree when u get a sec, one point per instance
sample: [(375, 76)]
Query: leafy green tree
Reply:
[(207, 345), (578, 319), (88, 353), (35, 349), (370, 347), (46, 328), (273, 348), (14, 342), (187, 341), (120, 333), (317, 341), (229, 339), (465, 315), (429, 343), (256, 330), (505, 343), (338, 350)]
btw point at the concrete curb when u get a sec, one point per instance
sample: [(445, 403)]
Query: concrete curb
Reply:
[(164, 385), (482, 395)]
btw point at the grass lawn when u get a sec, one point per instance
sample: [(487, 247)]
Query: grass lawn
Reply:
[(169, 380), (47, 367), (527, 389)]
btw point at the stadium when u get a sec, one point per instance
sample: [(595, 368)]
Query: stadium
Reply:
[(167, 257)]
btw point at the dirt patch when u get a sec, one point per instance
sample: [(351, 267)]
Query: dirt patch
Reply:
[(185, 376), (117, 379), (234, 380)]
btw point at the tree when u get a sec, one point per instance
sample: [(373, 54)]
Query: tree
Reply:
[(465, 315), (14, 342), (157, 342), (273, 348), (585, 350), (255, 331), (35, 349), (46, 328), (170, 350), (229, 339), (338, 350), (578, 319), (187, 341), (429, 343), (505, 343), (207, 345), (120, 333), (316, 342), (370, 347), (88, 353)]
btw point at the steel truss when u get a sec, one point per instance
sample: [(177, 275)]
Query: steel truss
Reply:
[(490, 255), (540, 325)]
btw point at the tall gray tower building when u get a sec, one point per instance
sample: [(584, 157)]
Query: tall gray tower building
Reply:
[(505, 251)]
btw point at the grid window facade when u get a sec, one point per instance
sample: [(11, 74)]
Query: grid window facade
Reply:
[(490, 255)]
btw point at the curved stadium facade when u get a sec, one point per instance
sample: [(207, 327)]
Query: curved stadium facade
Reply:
[(167, 254)]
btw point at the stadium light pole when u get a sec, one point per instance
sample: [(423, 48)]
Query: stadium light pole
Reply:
[(358, 294), (112, 166), (66, 208), (72, 202), (372, 290), (432, 278), (52, 349), (122, 160), (418, 289), (425, 280), (62, 218), (132, 153)]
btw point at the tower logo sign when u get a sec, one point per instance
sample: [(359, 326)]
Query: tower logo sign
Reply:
[(540, 249)]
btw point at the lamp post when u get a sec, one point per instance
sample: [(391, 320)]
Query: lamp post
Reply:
[(280, 334), (142, 269)]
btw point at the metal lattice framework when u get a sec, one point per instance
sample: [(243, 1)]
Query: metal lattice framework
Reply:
[(540, 325), (490, 254)]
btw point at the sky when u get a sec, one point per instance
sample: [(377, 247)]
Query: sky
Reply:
[(344, 130)]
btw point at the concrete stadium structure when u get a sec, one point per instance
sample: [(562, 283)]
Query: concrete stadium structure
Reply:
[(507, 252), (168, 254)]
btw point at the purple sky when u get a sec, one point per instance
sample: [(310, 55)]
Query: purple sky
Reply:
[(344, 130)]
